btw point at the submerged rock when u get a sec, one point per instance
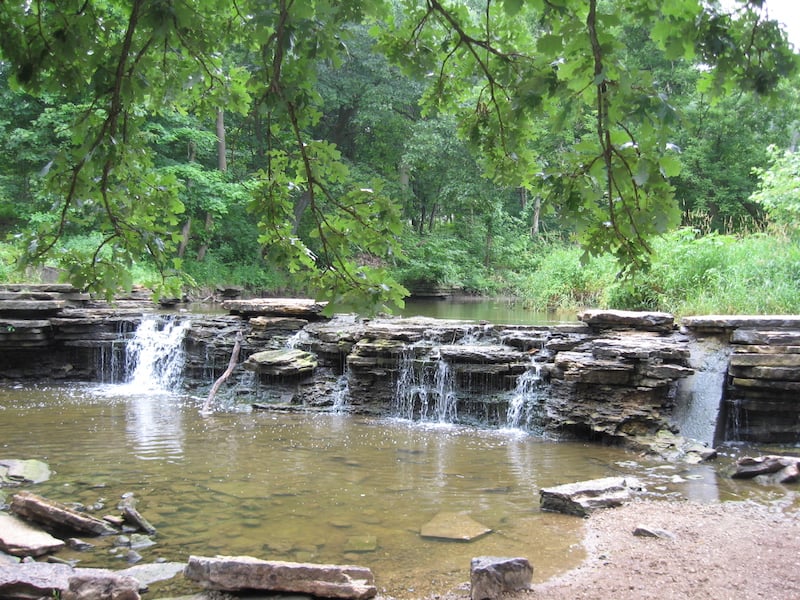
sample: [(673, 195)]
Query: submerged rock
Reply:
[(18, 472), (454, 526)]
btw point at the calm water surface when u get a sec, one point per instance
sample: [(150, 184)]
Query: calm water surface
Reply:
[(314, 487)]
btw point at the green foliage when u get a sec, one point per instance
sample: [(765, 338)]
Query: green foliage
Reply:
[(779, 190), (110, 106)]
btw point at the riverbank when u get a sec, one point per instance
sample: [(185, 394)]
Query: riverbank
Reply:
[(740, 550)]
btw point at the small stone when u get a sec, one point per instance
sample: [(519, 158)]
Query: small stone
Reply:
[(654, 532), (79, 545)]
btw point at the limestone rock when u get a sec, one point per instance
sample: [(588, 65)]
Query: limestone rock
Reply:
[(454, 526), (748, 467), (233, 573), (728, 322), (57, 515), (626, 319), (29, 581), (21, 539), (133, 516), (583, 497), (303, 308), (98, 585), (491, 576), (282, 363)]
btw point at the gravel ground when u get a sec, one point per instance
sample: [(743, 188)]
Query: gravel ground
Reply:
[(736, 551)]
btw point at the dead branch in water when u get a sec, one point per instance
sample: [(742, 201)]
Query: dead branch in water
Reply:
[(222, 378)]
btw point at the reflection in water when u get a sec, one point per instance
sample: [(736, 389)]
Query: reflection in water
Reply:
[(154, 426), (303, 487)]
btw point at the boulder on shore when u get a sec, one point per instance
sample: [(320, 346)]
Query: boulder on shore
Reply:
[(491, 576), (583, 497), (235, 573)]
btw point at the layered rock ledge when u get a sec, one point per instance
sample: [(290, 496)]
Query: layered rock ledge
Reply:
[(611, 376)]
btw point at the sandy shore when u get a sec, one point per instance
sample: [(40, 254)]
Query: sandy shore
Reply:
[(718, 551)]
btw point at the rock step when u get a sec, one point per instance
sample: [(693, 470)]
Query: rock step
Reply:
[(237, 573)]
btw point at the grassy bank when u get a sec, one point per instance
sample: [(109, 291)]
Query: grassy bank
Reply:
[(689, 274)]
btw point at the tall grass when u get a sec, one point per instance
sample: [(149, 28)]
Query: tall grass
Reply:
[(754, 274), (689, 274)]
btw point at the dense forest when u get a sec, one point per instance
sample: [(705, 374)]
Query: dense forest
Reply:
[(623, 153)]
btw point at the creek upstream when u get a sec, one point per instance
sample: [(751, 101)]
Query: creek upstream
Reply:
[(328, 488)]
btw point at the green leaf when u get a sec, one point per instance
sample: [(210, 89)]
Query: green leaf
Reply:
[(670, 165)]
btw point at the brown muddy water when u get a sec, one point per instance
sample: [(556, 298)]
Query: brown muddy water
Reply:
[(328, 488)]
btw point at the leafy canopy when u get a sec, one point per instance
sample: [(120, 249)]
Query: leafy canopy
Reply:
[(508, 70)]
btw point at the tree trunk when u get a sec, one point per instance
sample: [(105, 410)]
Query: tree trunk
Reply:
[(537, 208), (186, 231), (186, 234), (222, 165)]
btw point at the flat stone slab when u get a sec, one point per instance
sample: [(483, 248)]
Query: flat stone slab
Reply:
[(583, 497), (454, 526), (304, 308), (722, 322), (19, 538), (235, 573), (152, 572), (628, 319), (18, 472)]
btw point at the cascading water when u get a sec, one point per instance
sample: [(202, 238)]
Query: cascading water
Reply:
[(154, 355), (341, 393), (427, 395), (699, 397), (525, 406)]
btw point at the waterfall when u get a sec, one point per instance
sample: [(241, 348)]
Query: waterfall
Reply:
[(425, 391), (341, 393), (154, 354), (525, 406), (699, 396), (445, 409)]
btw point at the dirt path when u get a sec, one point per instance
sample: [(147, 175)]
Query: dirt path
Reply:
[(739, 551)]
